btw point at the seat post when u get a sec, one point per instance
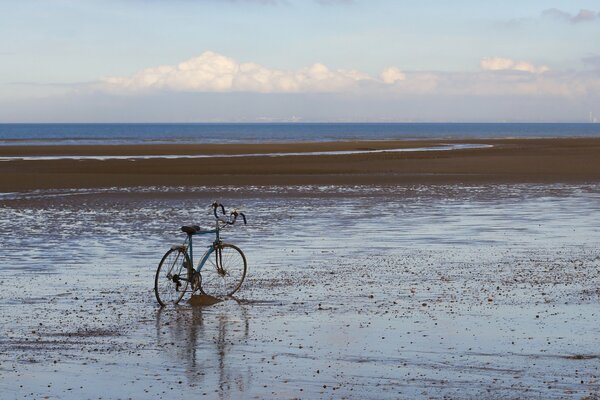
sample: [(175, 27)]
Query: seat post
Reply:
[(191, 249)]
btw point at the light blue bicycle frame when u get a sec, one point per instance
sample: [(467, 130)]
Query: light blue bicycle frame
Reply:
[(190, 249)]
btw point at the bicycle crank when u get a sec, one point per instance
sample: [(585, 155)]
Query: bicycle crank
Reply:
[(177, 282)]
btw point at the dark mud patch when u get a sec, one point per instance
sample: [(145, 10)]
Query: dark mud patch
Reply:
[(85, 333), (203, 300), (259, 302), (582, 357)]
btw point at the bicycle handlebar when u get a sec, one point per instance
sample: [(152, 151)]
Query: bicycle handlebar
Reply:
[(235, 213), (216, 205)]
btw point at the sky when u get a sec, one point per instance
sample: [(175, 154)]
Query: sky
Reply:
[(299, 60)]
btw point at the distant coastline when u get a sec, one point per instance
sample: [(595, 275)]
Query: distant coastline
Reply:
[(213, 133)]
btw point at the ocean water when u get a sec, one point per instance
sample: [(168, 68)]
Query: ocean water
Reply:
[(31, 134)]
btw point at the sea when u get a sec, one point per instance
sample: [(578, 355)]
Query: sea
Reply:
[(117, 133)]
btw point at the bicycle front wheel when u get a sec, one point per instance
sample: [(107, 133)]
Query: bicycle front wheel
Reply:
[(223, 272), (172, 277)]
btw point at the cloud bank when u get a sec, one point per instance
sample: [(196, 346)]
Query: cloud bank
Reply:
[(582, 16), (284, 2), (216, 88), (503, 64), (334, 2), (215, 73), (592, 61)]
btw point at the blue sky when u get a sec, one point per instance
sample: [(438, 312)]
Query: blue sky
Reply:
[(310, 60)]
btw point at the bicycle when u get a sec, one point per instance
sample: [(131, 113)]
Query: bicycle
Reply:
[(220, 271)]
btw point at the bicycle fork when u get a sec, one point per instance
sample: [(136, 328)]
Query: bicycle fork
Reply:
[(219, 260)]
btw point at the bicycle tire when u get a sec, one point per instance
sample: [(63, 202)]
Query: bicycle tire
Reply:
[(224, 271), (169, 287)]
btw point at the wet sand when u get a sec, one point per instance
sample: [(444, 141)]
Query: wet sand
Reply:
[(508, 161), (370, 292), (471, 273)]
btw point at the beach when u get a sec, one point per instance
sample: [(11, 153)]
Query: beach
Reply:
[(353, 291), (505, 161), (376, 269)]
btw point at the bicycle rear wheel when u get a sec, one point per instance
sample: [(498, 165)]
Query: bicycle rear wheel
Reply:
[(172, 277), (223, 272)]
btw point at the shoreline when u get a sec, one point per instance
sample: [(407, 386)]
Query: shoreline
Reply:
[(528, 160), (107, 157), (225, 148)]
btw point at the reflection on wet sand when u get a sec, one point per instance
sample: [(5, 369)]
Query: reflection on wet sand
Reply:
[(200, 338)]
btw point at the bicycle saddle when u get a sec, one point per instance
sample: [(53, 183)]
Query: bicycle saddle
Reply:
[(191, 230)]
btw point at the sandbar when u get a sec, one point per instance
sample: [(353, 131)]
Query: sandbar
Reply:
[(564, 160)]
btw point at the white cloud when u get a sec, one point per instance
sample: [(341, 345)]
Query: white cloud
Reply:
[(212, 72), (502, 64), (392, 75)]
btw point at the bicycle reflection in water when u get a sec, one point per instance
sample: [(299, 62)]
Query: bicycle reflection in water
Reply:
[(202, 340)]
